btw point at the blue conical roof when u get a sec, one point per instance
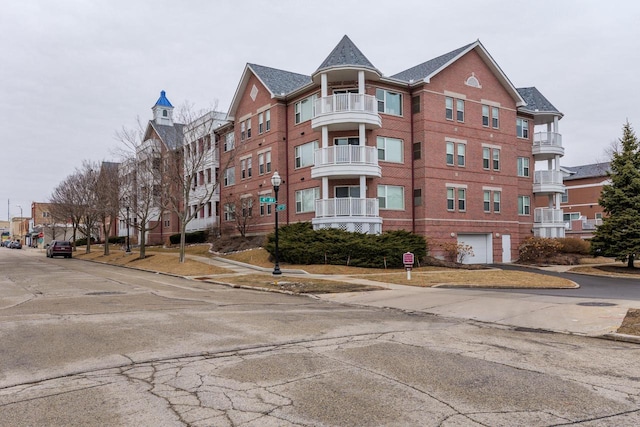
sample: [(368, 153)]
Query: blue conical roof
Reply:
[(163, 101)]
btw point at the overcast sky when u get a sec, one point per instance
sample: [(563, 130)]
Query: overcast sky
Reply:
[(72, 73)]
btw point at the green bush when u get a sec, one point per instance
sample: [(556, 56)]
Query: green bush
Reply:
[(536, 249), (300, 244), (193, 237), (574, 246), (119, 240)]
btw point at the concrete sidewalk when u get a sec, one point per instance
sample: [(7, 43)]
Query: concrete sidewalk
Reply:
[(596, 318)]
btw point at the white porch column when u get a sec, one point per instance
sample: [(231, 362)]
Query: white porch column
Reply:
[(324, 86), (325, 188), (361, 82), (362, 135), (325, 137)]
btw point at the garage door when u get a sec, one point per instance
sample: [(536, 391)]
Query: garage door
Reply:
[(481, 246)]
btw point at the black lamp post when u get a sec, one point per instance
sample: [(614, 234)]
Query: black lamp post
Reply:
[(128, 241), (276, 181)]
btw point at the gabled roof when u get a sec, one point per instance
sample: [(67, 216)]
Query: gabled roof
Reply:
[(279, 83), (587, 171), (537, 104), (171, 136), (163, 101), (427, 70), (346, 54)]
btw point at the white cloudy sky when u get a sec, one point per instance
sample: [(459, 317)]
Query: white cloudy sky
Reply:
[(73, 72)]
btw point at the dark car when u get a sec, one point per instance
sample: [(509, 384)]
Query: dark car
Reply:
[(16, 245), (59, 248)]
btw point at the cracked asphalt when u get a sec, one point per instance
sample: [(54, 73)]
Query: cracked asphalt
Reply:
[(84, 344)]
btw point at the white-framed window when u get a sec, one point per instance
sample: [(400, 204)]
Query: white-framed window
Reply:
[(243, 131), (304, 154), (565, 196), (230, 176), (391, 197), (306, 199), (522, 128), (389, 102), (460, 110), (523, 166), (247, 207), (487, 201), (353, 140), (450, 152), (229, 212), (304, 109), (598, 215), (524, 205), (267, 120), (390, 149), (567, 217), (261, 163), (486, 157), (352, 191), (265, 208), (461, 154), (260, 123), (245, 168), (448, 108), (248, 128), (496, 201), (496, 159), (229, 141), (462, 199), (485, 115), (451, 199), (495, 117)]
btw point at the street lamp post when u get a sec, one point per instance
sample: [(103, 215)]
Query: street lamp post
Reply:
[(276, 181), (128, 241), (21, 220)]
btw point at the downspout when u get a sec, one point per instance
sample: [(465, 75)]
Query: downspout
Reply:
[(412, 197), (286, 158)]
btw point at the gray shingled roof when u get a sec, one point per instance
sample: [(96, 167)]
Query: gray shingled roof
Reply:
[(587, 171), (346, 54), (280, 81), (170, 135), (425, 69), (535, 100)]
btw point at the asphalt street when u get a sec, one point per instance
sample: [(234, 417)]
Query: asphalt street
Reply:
[(94, 345)]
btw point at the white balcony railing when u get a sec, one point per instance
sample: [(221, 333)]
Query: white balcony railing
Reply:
[(346, 102), (548, 216), (549, 139), (346, 206), (547, 177), (346, 154)]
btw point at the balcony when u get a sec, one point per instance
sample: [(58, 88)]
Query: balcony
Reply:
[(548, 216), (547, 145), (346, 161), (548, 182), (349, 214), (344, 111)]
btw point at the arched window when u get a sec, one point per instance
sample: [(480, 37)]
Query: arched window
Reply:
[(473, 81)]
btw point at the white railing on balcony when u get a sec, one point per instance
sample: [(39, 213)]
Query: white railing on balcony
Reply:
[(547, 139), (346, 154), (346, 206), (547, 177), (345, 102), (548, 216)]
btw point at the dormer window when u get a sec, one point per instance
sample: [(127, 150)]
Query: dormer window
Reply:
[(164, 113)]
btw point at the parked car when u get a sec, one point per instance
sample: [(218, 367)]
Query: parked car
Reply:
[(59, 248), (15, 245)]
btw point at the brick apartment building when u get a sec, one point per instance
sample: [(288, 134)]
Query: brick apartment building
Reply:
[(446, 149)]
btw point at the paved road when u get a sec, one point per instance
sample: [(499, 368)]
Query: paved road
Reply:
[(88, 344), (599, 287)]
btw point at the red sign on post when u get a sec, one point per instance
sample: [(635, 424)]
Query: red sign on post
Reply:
[(408, 259)]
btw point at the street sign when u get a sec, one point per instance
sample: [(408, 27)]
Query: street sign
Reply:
[(267, 199), (407, 259), (281, 207)]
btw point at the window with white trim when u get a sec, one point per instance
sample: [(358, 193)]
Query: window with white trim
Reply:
[(565, 196), (267, 120), (389, 102), (461, 154), (496, 159), (229, 141), (450, 152), (391, 197), (260, 123), (306, 199), (495, 117), (487, 201), (248, 128), (451, 199), (264, 162), (522, 128), (230, 176), (485, 115), (456, 197), (524, 205), (265, 208), (460, 110), (243, 131), (245, 168), (390, 149), (229, 212), (462, 199), (486, 157), (304, 154), (496, 201), (523, 166), (448, 108), (304, 109)]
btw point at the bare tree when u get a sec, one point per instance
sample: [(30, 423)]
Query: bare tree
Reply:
[(66, 203), (86, 186), (241, 209), (108, 199)]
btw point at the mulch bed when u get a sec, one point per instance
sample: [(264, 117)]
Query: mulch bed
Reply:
[(618, 269), (631, 323)]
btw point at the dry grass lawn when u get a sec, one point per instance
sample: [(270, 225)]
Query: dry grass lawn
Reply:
[(631, 323)]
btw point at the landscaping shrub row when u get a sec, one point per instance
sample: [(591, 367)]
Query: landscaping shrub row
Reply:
[(190, 238), (300, 244)]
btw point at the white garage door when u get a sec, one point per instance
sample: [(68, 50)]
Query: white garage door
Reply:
[(481, 246)]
